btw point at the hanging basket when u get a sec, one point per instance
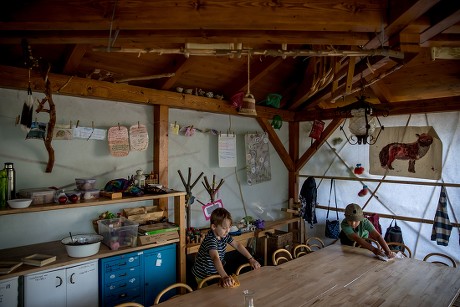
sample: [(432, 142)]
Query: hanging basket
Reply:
[(248, 106)]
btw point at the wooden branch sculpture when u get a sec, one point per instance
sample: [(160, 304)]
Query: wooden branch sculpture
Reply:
[(188, 189), (44, 68), (212, 189)]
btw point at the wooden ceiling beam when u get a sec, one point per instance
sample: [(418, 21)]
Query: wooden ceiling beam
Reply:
[(258, 70), (331, 127), (74, 59), (146, 39), (179, 69), (418, 8), (436, 105), (192, 15), (277, 144), (17, 78), (442, 25)]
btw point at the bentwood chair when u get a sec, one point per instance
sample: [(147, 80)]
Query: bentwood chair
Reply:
[(405, 250), (129, 304), (173, 286), (241, 267), (301, 249), (436, 259), (209, 278), (281, 255), (315, 243), (371, 241)]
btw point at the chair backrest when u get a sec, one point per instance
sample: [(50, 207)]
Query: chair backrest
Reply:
[(281, 255), (238, 271), (371, 241), (173, 286), (301, 249), (436, 260), (205, 280), (314, 243), (406, 250), (129, 304)]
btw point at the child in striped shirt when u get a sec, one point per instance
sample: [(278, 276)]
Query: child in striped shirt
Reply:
[(212, 249)]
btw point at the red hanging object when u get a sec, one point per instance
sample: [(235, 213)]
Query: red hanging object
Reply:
[(316, 129), (358, 169), (364, 191)]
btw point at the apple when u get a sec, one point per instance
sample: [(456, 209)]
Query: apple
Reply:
[(62, 199), (73, 198)]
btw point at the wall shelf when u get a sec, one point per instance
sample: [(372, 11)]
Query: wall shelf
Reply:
[(97, 202), (179, 218)]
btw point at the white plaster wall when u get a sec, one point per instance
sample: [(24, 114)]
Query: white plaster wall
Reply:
[(417, 201), (81, 158)]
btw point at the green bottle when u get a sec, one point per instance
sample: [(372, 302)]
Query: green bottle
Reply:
[(3, 188)]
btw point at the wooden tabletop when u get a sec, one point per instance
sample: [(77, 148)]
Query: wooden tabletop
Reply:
[(337, 276)]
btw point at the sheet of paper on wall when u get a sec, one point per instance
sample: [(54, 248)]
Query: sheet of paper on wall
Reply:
[(89, 133), (62, 132), (118, 141), (227, 150), (138, 137)]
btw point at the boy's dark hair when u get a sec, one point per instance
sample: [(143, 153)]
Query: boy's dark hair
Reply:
[(219, 215)]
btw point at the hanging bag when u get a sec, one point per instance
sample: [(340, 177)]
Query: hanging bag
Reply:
[(375, 220), (394, 234), (332, 227)]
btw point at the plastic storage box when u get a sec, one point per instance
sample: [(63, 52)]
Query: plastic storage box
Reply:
[(118, 232), (39, 196)]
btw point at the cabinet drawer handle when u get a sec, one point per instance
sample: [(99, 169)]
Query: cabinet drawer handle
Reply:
[(71, 278), (123, 286), (60, 281), (122, 275), (122, 264)]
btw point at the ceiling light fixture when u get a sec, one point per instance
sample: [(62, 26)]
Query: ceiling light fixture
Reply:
[(362, 124)]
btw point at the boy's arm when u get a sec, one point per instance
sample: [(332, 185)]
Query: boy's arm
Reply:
[(376, 236), (240, 247), (226, 280), (217, 263), (363, 243)]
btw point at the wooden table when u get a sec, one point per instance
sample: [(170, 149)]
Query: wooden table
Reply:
[(337, 276)]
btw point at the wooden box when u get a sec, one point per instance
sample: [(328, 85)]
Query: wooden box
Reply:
[(278, 239), (142, 215), (157, 238), (157, 233)]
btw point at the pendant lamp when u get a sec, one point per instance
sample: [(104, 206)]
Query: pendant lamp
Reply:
[(248, 106)]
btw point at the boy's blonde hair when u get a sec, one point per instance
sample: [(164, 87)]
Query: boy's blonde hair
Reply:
[(219, 215)]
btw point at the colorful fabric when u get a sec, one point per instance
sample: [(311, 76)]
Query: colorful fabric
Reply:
[(441, 226)]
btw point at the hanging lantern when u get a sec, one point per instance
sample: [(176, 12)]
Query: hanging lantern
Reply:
[(248, 106), (362, 124)]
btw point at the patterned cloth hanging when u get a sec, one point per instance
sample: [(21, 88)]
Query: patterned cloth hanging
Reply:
[(441, 226)]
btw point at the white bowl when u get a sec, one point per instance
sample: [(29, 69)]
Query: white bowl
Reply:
[(83, 245), (19, 203)]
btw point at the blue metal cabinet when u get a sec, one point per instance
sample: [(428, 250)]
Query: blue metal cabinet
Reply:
[(160, 271), (121, 279), (137, 276)]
